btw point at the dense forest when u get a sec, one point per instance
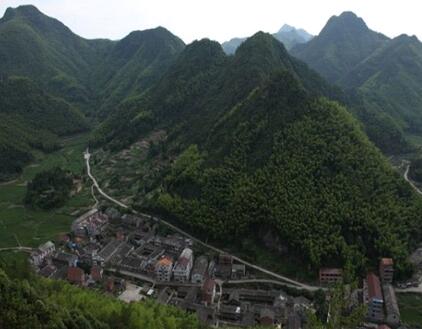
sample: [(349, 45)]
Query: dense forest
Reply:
[(326, 204), (49, 189), (257, 148), (31, 302)]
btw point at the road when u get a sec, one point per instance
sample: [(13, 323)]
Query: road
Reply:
[(284, 279), (405, 176), (26, 249)]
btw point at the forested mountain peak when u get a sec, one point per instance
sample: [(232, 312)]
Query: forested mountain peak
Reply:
[(343, 42), (29, 14), (345, 21)]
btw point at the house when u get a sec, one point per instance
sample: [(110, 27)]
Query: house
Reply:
[(238, 271), (163, 269), (208, 291), (47, 271), (183, 266), (44, 250), (330, 276), (386, 270), (199, 270), (391, 306), (266, 317), (373, 298), (224, 266), (76, 275), (96, 273), (63, 258)]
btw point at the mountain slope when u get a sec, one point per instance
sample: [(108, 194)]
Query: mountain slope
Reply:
[(203, 84), (342, 44), (31, 118), (135, 63), (46, 51), (390, 80), (288, 35), (258, 150)]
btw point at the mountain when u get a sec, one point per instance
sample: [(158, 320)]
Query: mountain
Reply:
[(288, 35), (342, 44), (87, 73), (135, 63), (385, 73), (257, 150), (52, 82), (46, 51), (390, 80), (31, 118)]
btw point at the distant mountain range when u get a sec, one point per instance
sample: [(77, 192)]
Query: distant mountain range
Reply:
[(288, 35), (258, 142)]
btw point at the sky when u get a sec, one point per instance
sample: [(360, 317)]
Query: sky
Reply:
[(222, 19)]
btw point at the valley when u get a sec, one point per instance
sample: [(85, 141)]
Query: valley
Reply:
[(291, 163)]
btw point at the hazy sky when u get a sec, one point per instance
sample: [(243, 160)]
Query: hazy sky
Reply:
[(222, 19)]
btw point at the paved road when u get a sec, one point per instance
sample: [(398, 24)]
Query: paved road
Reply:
[(284, 279)]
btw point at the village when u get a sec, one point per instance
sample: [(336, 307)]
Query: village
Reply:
[(132, 258)]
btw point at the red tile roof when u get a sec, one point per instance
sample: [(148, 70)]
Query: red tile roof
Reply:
[(96, 273), (374, 286), (75, 274)]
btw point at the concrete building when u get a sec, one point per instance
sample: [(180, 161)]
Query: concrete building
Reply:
[(183, 266), (44, 250), (330, 276), (163, 269), (372, 295), (199, 271), (391, 306), (386, 270)]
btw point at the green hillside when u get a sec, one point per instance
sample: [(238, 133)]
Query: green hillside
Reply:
[(41, 303), (259, 150), (31, 118), (390, 80), (134, 64)]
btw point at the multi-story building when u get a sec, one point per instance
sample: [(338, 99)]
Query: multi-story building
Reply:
[(386, 270), (163, 269), (44, 250), (391, 306), (183, 266), (372, 295), (330, 276), (199, 271)]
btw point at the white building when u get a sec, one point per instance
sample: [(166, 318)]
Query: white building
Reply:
[(44, 250), (183, 267), (163, 269)]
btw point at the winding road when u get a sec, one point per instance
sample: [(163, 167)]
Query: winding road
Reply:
[(284, 279), (406, 177)]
